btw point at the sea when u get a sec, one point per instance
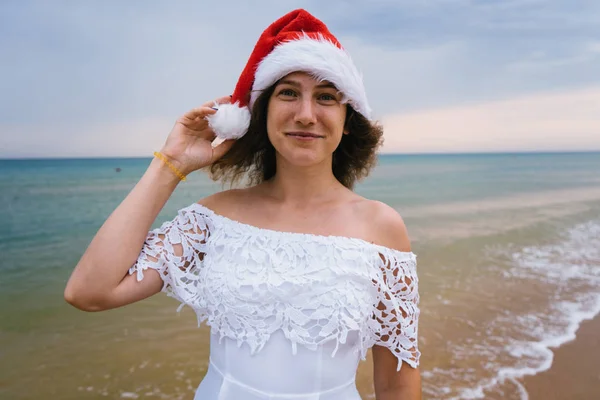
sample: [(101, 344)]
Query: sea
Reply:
[(508, 249)]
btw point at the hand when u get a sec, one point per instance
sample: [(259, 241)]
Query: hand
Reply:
[(189, 145)]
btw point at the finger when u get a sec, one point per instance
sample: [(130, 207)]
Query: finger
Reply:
[(199, 113), (220, 100), (220, 150)]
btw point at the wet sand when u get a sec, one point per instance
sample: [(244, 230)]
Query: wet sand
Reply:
[(575, 371)]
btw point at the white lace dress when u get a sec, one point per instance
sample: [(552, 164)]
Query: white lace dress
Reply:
[(291, 314)]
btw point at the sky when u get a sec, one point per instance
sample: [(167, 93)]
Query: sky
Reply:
[(109, 78)]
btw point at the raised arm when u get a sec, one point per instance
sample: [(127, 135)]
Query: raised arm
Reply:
[(100, 280)]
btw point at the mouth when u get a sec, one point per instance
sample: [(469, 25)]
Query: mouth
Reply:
[(304, 135)]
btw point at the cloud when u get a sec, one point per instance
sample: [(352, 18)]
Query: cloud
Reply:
[(566, 121), (128, 138), (98, 64), (539, 60), (410, 78)]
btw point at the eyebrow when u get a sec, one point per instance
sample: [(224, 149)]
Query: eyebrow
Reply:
[(297, 84)]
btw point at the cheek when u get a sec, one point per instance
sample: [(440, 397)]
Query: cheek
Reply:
[(277, 115), (336, 124), (275, 126), (271, 122), (337, 120)]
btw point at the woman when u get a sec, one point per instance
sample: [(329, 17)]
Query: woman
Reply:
[(296, 275)]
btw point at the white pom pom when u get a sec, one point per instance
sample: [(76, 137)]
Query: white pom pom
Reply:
[(230, 121)]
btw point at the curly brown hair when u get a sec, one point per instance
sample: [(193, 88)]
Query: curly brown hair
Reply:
[(253, 156)]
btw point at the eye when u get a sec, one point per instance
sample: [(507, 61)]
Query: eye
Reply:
[(327, 97), (287, 92)]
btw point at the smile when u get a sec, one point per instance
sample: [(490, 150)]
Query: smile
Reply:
[(304, 135)]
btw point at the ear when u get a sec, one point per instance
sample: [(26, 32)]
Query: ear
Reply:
[(346, 132)]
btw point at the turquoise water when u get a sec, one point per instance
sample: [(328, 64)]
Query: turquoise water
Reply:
[(474, 219)]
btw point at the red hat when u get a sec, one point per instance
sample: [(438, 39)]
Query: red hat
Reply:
[(295, 42)]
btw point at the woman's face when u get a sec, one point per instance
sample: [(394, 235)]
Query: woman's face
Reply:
[(305, 119)]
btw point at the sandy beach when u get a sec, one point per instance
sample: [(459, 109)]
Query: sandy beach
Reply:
[(575, 371)]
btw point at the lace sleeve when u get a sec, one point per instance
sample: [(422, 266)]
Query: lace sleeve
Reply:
[(176, 251), (396, 315)]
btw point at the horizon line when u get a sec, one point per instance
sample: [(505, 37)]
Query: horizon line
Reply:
[(457, 153)]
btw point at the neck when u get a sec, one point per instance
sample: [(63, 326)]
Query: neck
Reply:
[(303, 187)]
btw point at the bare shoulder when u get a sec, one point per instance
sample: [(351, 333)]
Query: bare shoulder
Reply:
[(386, 225), (224, 201)]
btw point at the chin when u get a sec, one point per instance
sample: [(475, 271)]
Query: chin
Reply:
[(303, 157)]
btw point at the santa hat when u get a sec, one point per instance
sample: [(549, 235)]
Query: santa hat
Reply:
[(295, 42)]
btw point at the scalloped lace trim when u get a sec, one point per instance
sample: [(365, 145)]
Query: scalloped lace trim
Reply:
[(248, 282)]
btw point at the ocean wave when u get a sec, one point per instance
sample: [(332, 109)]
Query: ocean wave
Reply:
[(564, 281)]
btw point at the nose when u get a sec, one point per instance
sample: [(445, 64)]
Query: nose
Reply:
[(306, 113)]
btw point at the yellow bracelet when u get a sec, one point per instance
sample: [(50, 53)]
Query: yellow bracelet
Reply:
[(164, 159)]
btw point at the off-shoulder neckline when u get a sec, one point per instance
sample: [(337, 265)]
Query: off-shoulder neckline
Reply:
[(311, 236)]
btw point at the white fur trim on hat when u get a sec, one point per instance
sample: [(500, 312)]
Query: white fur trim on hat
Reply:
[(320, 58), (230, 121)]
